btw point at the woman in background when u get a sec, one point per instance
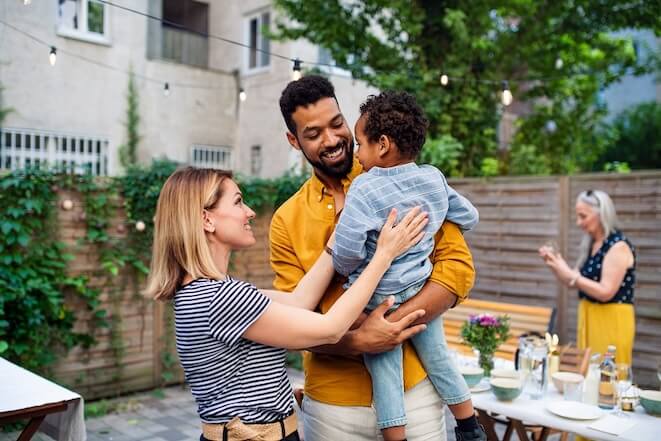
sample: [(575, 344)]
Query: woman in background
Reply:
[(604, 276)]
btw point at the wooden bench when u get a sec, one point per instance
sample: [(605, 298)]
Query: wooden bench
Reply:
[(523, 319)]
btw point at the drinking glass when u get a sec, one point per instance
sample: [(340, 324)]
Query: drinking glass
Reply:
[(538, 370), (658, 371), (573, 391), (624, 378), (552, 246)]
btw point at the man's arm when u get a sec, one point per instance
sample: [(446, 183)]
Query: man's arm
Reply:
[(451, 280)]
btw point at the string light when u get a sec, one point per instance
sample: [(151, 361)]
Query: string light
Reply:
[(296, 75), (52, 57), (444, 80), (559, 63), (506, 97), (242, 94), (166, 89), (27, 2)]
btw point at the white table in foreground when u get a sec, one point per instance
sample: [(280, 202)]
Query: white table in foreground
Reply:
[(646, 428), (24, 394)]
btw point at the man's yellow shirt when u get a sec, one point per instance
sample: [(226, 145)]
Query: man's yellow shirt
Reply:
[(299, 231)]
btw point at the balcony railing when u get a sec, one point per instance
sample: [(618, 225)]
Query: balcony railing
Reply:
[(184, 47)]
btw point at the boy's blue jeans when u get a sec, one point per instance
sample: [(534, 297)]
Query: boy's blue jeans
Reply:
[(387, 374)]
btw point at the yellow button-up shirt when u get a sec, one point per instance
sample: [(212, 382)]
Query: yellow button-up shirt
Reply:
[(299, 231)]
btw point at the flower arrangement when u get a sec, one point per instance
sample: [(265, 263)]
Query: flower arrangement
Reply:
[(485, 333)]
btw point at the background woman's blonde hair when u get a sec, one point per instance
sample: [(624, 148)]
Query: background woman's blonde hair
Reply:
[(180, 245), (601, 203)]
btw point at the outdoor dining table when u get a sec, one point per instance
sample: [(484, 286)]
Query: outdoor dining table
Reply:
[(49, 407), (526, 411)]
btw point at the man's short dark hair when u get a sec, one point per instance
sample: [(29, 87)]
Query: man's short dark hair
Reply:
[(308, 90), (398, 116)]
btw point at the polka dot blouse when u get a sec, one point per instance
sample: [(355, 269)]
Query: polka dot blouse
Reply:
[(592, 270)]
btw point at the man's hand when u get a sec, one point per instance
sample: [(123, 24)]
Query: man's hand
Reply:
[(377, 334)]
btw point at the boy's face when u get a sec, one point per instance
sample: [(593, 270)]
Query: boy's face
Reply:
[(368, 152), (324, 138)]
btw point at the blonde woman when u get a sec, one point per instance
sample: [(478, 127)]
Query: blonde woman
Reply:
[(231, 337), (604, 276)]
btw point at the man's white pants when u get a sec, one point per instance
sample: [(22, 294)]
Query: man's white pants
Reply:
[(425, 412)]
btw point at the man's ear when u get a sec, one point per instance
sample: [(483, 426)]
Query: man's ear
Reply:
[(207, 223), (293, 141), (385, 145)]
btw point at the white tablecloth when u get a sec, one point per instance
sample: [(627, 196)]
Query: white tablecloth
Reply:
[(646, 428), (21, 389)]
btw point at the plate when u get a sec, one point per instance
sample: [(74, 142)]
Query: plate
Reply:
[(574, 410), (480, 387)]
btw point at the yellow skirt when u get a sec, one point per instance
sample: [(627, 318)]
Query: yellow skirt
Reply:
[(600, 325)]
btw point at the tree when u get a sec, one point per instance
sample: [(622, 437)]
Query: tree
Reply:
[(555, 55), (128, 152), (636, 136)]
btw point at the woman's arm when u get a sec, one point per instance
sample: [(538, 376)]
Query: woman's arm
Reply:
[(616, 262), (289, 327)]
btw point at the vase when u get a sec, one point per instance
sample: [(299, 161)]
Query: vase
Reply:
[(485, 361)]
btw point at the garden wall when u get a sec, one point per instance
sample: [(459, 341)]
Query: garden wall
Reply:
[(517, 215)]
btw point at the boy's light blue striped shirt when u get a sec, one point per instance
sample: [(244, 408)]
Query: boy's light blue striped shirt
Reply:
[(369, 200)]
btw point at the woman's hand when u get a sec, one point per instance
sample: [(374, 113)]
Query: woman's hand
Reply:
[(396, 239), (558, 265)]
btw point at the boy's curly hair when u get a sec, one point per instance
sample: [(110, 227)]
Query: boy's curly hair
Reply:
[(398, 116), (308, 90)]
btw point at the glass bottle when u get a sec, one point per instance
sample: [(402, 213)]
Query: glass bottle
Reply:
[(591, 385), (607, 380)]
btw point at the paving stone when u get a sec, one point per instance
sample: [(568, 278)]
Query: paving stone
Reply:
[(173, 435)]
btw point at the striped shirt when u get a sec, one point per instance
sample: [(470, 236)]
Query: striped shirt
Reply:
[(229, 376), (371, 197)]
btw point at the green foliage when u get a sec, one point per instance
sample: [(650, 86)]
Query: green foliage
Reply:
[(35, 322), (295, 360), (36, 325), (408, 45), (443, 153), (636, 140), (128, 151), (264, 194)]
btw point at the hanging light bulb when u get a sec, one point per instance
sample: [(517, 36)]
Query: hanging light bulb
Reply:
[(242, 94), (444, 80), (296, 75), (506, 97), (52, 57), (166, 89), (27, 2), (559, 63)]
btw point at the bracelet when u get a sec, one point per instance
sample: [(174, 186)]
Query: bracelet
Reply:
[(328, 250), (573, 281)]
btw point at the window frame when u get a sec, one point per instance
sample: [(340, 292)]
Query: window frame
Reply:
[(247, 20), (84, 34)]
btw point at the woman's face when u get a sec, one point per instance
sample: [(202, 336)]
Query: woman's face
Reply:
[(230, 218), (587, 218)]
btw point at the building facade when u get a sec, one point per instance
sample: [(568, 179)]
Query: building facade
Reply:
[(187, 73)]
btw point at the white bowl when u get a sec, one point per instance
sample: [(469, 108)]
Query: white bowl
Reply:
[(504, 373), (561, 378)]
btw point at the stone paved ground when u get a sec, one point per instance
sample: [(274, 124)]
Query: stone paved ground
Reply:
[(168, 415)]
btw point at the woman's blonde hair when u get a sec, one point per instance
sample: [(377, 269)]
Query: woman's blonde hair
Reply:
[(601, 203), (180, 246)]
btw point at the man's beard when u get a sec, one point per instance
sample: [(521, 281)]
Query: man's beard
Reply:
[(340, 170)]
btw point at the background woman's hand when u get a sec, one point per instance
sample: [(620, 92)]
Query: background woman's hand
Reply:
[(396, 239), (558, 265)]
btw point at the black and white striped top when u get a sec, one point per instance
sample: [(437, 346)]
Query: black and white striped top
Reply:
[(228, 375)]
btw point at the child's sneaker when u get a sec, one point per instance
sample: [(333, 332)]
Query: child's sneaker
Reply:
[(475, 435)]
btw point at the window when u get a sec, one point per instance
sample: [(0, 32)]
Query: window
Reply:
[(184, 46), (211, 156), (83, 19), (21, 148), (256, 160), (259, 44)]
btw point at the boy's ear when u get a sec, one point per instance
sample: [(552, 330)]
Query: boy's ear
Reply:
[(385, 145)]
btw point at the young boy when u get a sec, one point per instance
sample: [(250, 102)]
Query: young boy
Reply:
[(389, 135)]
